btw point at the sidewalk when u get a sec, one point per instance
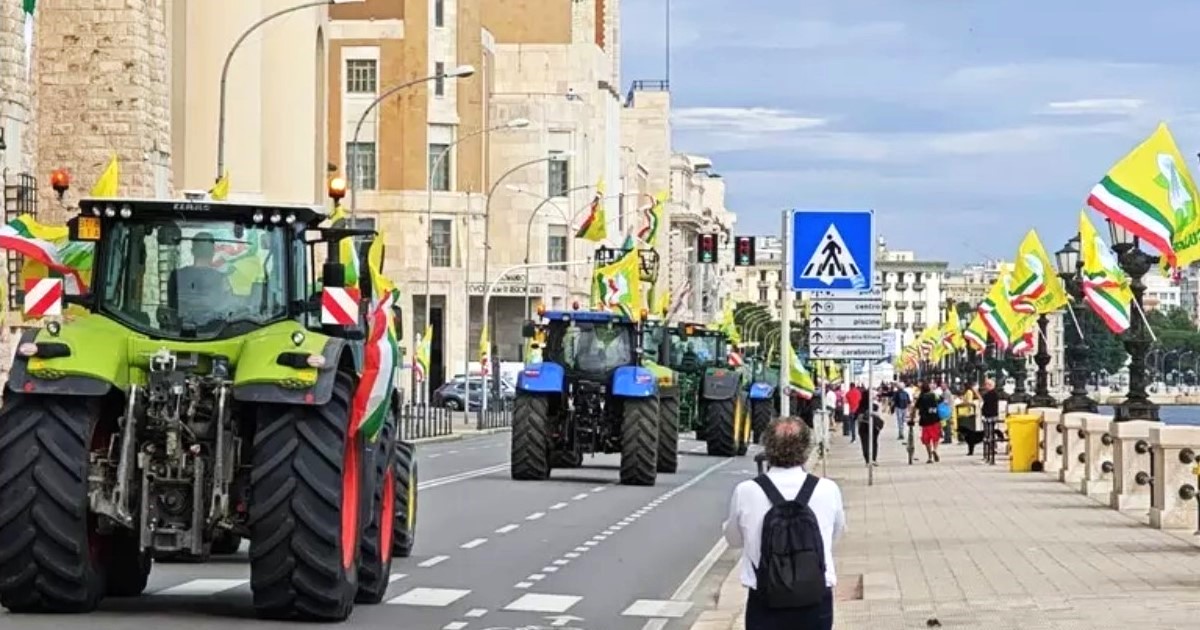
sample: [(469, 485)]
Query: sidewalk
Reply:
[(974, 546)]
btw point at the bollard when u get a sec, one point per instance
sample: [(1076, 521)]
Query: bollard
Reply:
[(1051, 440), (1174, 477), (1071, 470), (1097, 482)]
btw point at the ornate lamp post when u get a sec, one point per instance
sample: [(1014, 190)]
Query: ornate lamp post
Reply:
[(1041, 392), (1069, 269), (1136, 264)]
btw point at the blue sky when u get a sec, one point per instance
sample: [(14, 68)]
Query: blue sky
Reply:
[(963, 123)]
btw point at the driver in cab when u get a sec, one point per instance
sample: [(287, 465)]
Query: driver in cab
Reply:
[(200, 291)]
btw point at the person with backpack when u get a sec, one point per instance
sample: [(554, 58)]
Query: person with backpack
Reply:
[(901, 401), (785, 521), (870, 436), (930, 421)]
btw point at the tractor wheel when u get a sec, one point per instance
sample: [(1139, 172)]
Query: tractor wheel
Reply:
[(531, 438), (760, 416), (404, 489), (566, 459), (226, 544), (668, 435), (51, 557), (719, 430), (304, 509), (743, 428), (375, 565), (128, 567), (639, 442)]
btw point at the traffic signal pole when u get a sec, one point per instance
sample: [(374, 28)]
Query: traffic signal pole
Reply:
[(785, 320)]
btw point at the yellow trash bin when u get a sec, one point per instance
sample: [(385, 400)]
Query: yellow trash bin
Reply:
[(1022, 432)]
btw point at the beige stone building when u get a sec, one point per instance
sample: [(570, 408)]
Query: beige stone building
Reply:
[(697, 206)]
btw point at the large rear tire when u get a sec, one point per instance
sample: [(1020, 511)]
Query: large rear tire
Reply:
[(760, 416), (128, 567), (668, 435), (531, 438), (375, 566), (304, 509), (639, 442), (51, 561), (404, 519), (719, 429)]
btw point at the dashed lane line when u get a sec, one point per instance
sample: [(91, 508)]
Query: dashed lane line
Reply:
[(434, 561), (558, 506), (535, 516), (473, 543), (507, 528), (688, 587), (579, 497)]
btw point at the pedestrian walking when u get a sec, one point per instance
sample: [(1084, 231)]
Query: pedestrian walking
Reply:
[(853, 400), (990, 411), (926, 412), (901, 401), (869, 438), (948, 398), (787, 544)]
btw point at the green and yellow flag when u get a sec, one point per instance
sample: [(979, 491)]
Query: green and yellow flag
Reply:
[(653, 218), (109, 180), (617, 287), (421, 365), (1151, 193), (976, 333), (1004, 324), (949, 338), (1036, 287), (220, 190), (593, 226), (1105, 285), (798, 377)]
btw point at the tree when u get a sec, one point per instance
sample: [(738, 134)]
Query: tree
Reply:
[(1105, 351)]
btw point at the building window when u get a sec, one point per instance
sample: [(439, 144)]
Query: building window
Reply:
[(441, 243), (556, 246), (440, 139), (439, 12), (361, 75), (559, 174), (762, 295), (360, 159), (439, 84)]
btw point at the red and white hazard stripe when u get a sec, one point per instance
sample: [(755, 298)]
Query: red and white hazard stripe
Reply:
[(339, 307), (43, 297)]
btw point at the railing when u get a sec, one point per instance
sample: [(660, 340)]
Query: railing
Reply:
[(495, 417), (643, 85), (414, 425), (20, 197)]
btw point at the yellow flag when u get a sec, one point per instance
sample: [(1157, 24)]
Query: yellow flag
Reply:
[(652, 220), (593, 228), (1105, 285), (1151, 193), (106, 186), (976, 333), (949, 337), (1036, 286), (220, 190), (485, 350), (1003, 323), (617, 287)]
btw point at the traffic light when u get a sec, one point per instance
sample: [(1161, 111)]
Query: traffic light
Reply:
[(745, 252), (706, 248)]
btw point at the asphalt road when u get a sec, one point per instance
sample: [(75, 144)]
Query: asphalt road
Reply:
[(575, 552)]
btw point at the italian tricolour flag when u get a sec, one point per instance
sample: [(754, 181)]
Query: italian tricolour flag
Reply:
[(34, 241)]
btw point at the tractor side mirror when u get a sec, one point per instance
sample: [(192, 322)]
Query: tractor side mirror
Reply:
[(528, 330)]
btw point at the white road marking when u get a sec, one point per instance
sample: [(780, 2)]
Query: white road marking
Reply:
[(590, 543), (435, 597), (523, 585), (436, 560), (571, 554), (688, 587), (579, 497), (536, 577), (475, 613), (507, 528), (455, 625), (562, 563), (396, 576), (202, 587), (539, 602), (600, 537), (558, 506), (473, 543), (535, 516), (657, 608), (549, 569), (434, 456), (582, 549), (598, 489), (463, 476), (452, 452)]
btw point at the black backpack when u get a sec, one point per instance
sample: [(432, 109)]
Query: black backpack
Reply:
[(791, 567)]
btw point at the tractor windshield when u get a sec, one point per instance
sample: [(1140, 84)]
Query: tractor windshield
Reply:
[(192, 279), (696, 351), (597, 348)]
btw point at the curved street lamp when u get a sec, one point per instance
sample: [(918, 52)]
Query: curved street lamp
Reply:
[(229, 59), (548, 200), (351, 163)]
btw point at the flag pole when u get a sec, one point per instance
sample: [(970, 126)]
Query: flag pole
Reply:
[(1142, 312), (1078, 328)]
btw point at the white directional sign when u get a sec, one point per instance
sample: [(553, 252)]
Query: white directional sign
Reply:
[(865, 321), (842, 337), (845, 307), (847, 325), (874, 352)]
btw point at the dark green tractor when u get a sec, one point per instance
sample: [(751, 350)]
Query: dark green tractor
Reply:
[(712, 394)]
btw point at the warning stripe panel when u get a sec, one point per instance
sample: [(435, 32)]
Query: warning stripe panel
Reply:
[(43, 297), (338, 307)]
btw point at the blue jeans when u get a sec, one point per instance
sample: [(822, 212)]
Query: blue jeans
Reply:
[(901, 414)]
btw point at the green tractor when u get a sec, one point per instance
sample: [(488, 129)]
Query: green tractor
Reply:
[(656, 347), (202, 395), (712, 393)]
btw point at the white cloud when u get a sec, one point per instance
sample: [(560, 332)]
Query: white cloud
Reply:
[(1115, 106), (742, 121)]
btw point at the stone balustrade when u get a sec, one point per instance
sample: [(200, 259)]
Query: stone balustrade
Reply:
[(1132, 477), (1071, 468), (1050, 439), (1173, 504), (1098, 464)]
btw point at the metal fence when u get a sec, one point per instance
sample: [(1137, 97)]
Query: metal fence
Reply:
[(495, 417), (415, 424)]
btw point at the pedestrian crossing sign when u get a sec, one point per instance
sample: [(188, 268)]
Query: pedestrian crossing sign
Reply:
[(832, 250)]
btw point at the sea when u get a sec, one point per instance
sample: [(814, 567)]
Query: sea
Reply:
[(1172, 414)]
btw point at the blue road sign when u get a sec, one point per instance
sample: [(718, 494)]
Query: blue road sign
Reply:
[(833, 250)]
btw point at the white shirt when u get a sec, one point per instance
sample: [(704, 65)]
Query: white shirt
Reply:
[(749, 507)]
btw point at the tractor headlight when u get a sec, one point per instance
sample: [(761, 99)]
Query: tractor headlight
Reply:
[(53, 328), (126, 211), (298, 338), (258, 216)]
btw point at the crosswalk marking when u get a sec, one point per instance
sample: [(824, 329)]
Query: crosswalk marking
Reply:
[(455, 625), (434, 561), (434, 597), (658, 608), (202, 587), (542, 602)]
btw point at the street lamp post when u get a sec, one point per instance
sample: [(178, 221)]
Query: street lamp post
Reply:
[(1041, 393), (1136, 264), (529, 237), (229, 59), (1070, 271), (351, 161)]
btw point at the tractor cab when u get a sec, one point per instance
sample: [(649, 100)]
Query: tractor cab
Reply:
[(590, 345)]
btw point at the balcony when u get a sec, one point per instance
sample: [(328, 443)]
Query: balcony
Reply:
[(918, 286), (901, 286), (920, 306), (902, 305), (899, 325)]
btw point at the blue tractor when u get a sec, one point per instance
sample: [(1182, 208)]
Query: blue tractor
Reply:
[(589, 394), (764, 403)]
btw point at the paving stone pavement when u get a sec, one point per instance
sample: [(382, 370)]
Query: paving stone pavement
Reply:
[(975, 546)]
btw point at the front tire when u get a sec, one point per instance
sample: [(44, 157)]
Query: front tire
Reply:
[(719, 430), (531, 438), (639, 442), (51, 559), (668, 435), (304, 509), (404, 517), (760, 417)]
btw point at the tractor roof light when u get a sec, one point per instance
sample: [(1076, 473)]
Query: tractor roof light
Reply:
[(337, 188), (645, 313), (541, 309), (60, 180), (575, 305)]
